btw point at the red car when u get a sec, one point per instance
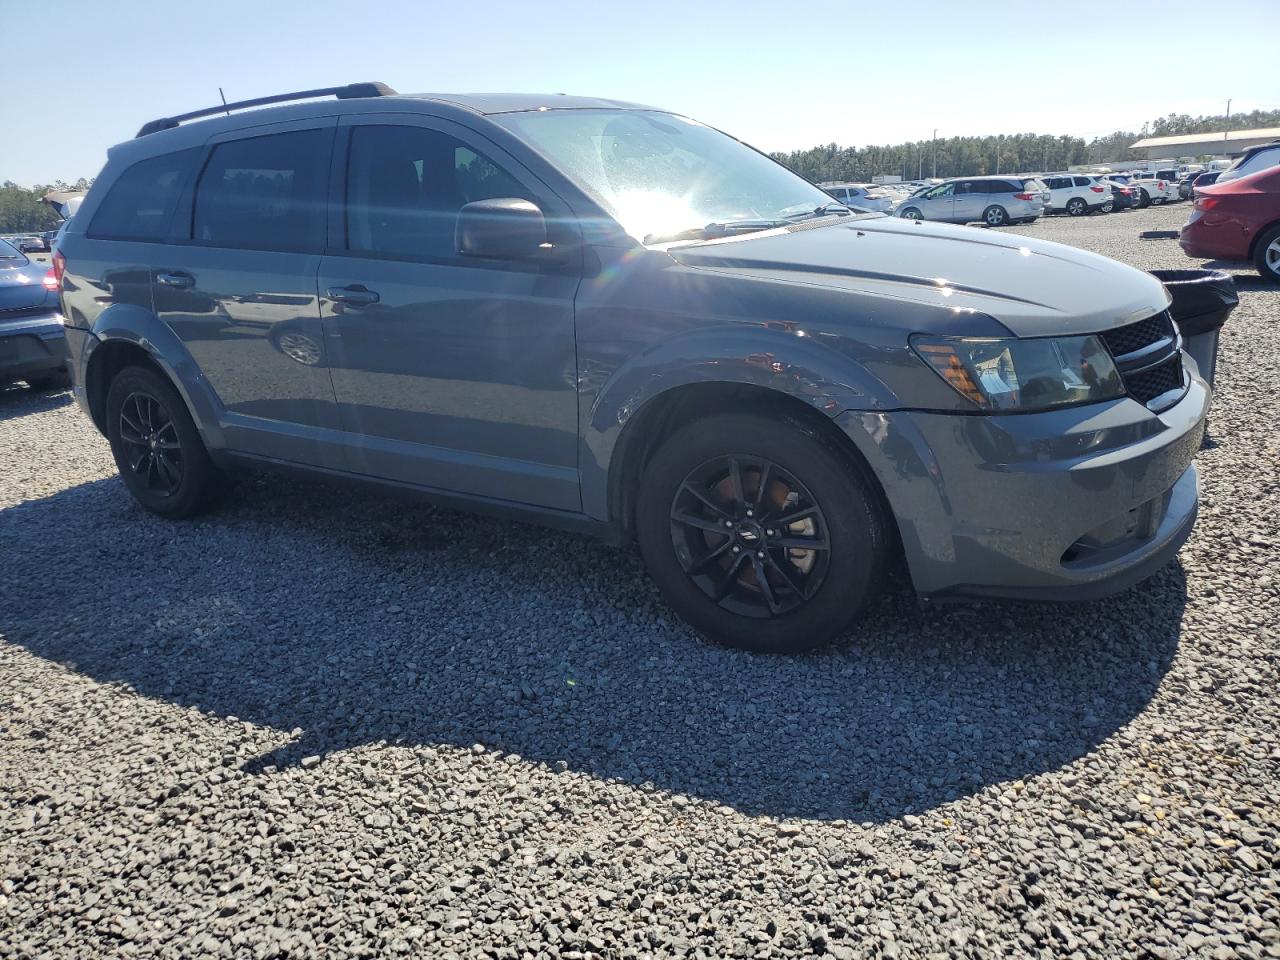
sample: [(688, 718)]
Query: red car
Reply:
[(1238, 220)]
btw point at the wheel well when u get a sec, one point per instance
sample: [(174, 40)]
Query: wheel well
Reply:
[(1257, 238), (668, 412), (104, 363)]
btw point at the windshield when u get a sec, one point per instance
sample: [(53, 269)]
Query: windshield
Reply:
[(658, 174)]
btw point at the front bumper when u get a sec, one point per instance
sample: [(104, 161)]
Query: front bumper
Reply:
[(32, 346), (1068, 504)]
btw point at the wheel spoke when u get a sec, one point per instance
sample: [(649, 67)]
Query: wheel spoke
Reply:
[(787, 572), (136, 465), (735, 480), (799, 543), (706, 501), (762, 487), (724, 585), (710, 557), (701, 523), (762, 578), (131, 435), (795, 516), (133, 425)]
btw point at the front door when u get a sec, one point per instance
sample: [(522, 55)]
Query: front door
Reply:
[(239, 288), (938, 202), (450, 372)]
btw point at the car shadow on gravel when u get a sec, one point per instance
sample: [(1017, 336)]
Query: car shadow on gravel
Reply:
[(19, 400), (364, 620)]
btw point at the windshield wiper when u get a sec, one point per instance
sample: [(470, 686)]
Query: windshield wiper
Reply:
[(834, 207), (713, 231)]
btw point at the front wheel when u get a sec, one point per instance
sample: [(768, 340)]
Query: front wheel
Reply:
[(156, 446), (911, 213), (760, 533), (1267, 257), (995, 216), (1144, 200)]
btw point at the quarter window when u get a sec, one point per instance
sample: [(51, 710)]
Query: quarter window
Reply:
[(406, 185), (141, 202), (265, 193)]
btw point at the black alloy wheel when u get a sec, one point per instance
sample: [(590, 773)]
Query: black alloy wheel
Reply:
[(154, 452), (750, 536), (156, 446)]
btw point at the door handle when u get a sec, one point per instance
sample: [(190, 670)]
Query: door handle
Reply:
[(175, 280), (356, 294)]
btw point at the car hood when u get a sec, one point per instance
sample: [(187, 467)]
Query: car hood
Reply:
[(1032, 287), (21, 286)]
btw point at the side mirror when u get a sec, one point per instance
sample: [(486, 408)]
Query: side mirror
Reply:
[(507, 228)]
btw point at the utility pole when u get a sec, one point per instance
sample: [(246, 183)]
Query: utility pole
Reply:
[(935, 153), (1228, 130)]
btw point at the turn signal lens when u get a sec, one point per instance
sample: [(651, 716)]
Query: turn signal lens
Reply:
[(944, 359)]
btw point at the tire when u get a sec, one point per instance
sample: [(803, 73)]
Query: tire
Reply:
[(995, 216), (1107, 207), (840, 579), (1266, 255), (54, 381), (911, 213), (1144, 200), (1077, 207), (142, 404)]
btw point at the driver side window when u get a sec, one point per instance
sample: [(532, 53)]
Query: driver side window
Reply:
[(946, 190)]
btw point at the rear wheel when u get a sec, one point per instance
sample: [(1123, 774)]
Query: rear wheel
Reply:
[(156, 446), (1077, 207), (995, 216), (1267, 256), (759, 533)]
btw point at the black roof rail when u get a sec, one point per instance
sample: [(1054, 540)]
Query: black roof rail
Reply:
[(351, 91)]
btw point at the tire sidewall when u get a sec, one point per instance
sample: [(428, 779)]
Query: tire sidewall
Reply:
[(198, 470), (1260, 258), (911, 213), (855, 530), (1003, 216)]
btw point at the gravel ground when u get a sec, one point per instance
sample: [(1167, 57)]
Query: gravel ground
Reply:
[(323, 723)]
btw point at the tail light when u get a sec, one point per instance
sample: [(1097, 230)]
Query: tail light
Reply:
[(50, 280), (1160, 184), (1024, 196), (59, 268), (1096, 189), (1206, 203)]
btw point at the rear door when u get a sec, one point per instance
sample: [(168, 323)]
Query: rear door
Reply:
[(970, 201), (239, 288), (455, 372)]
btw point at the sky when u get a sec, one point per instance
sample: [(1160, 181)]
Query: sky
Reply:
[(780, 76)]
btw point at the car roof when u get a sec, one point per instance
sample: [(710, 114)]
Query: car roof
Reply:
[(491, 103)]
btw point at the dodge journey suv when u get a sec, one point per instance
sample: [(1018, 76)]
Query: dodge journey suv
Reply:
[(612, 318)]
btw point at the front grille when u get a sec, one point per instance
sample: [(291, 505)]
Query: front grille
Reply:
[(1148, 355), (1148, 384), (1135, 336)]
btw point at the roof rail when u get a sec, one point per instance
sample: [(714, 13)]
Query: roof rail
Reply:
[(351, 91)]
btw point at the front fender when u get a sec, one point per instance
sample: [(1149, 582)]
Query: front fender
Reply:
[(787, 361), (130, 323)]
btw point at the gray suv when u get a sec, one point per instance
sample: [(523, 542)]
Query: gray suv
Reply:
[(995, 201), (614, 319)]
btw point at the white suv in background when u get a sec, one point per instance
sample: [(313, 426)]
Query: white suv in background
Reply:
[(1251, 161), (865, 196), (1077, 194)]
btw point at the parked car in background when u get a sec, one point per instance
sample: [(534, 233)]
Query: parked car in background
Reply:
[(1238, 220), (995, 201), (1251, 161), (36, 244), (1187, 184), (1076, 194), (32, 340), (772, 394), (861, 196), (1123, 196), (1155, 189), (1206, 179)]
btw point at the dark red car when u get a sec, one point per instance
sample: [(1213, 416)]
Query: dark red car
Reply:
[(1238, 220)]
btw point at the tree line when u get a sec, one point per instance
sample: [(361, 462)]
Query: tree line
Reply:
[(1004, 153), (21, 210)]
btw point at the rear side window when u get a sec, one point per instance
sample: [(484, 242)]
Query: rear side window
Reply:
[(998, 186), (141, 202), (1083, 181), (406, 185), (266, 193)]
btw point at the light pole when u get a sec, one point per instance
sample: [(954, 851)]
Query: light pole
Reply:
[(1228, 130), (935, 153)]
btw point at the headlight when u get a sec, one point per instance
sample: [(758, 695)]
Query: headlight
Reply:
[(1023, 375)]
